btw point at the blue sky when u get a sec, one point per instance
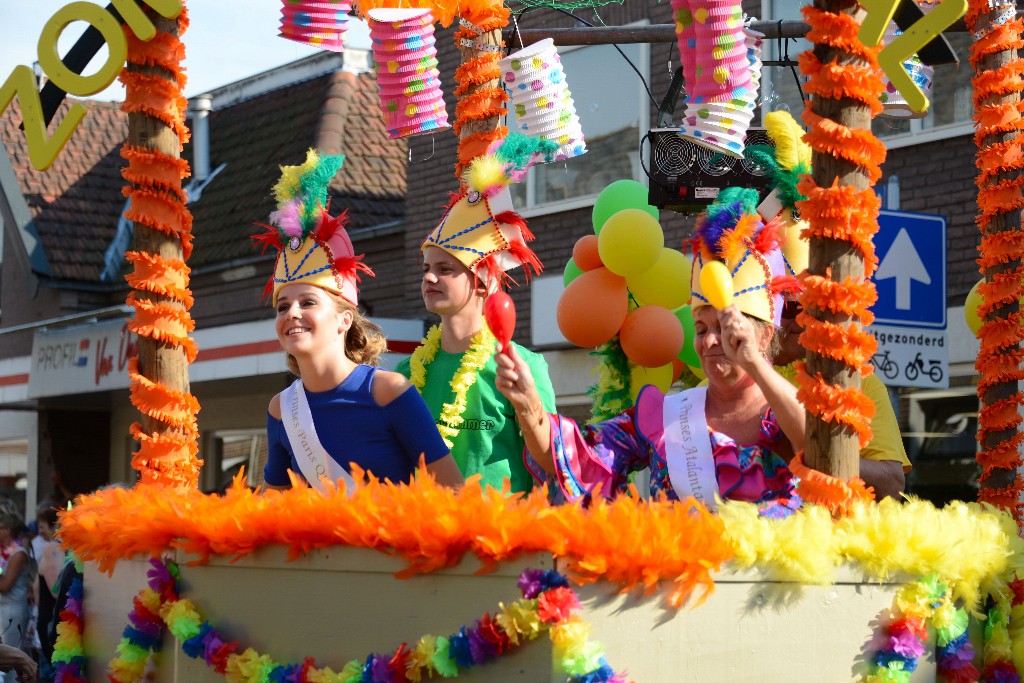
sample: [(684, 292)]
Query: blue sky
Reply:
[(226, 41)]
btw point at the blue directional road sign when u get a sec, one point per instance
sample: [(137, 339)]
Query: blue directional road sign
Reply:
[(911, 274)]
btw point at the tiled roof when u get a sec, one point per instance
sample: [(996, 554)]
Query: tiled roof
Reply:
[(335, 113), (75, 205)]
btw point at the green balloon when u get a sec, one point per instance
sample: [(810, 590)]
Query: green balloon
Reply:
[(622, 194), (572, 271), (689, 353)]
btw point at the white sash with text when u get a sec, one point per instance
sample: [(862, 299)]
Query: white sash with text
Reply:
[(691, 465), (314, 462)]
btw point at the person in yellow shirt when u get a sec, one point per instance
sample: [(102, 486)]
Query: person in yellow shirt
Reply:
[(883, 461)]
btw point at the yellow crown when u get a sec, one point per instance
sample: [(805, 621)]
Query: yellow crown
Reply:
[(485, 234), (749, 249), (312, 246), (311, 262)]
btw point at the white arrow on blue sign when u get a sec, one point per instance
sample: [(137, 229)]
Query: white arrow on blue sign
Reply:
[(911, 273)]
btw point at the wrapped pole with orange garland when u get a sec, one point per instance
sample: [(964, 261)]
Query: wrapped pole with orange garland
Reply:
[(167, 430), (997, 84), (842, 211), (481, 97)]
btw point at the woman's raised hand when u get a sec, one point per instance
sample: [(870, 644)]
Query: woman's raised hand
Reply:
[(740, 342), (515, 381)]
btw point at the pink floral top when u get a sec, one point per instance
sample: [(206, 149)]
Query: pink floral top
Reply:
[(609, 452)]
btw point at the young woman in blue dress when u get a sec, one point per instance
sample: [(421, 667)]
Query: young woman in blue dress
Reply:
[(343, 412)]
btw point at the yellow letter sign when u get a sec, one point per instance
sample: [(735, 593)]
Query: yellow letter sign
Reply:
[(43, 149), (892, 56)]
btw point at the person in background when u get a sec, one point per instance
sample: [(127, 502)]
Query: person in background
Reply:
[(16, 662), (17, 575), (51, 559), (343, 410), (883, 461), (466, 257)]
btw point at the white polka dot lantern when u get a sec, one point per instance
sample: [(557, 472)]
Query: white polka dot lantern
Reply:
[(540, 98)]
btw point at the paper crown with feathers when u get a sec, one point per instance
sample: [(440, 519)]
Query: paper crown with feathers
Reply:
[(312, 246), (731, 231), (480, 228), (790, 159)]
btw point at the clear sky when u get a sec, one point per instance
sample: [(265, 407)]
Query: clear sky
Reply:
[(227, 40)]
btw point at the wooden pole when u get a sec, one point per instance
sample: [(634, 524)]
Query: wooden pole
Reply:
[(167, 428), (999, 365), (831, 446), (481, 102)]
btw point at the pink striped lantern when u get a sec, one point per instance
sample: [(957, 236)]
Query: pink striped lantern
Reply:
[(320, 23), (408, 82)]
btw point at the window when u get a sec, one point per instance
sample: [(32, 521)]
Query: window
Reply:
[(611, 103), (950, 111), (941, 445), (230, 450)]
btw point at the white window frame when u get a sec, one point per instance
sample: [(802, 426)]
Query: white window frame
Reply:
[(644, 107), (918, 134)]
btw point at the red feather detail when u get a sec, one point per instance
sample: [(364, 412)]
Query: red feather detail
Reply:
[(522, 253), (351, 266), (514, 219), (785, 284), (329, 225), (769, 237), (268, 289), (453, 198), (494, 271), (270, 238)]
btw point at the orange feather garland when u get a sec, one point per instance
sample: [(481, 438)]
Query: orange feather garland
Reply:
[(430, 526), (1000, 356), (158, 202)]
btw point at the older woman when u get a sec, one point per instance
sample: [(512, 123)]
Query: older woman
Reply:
[(730, 439)]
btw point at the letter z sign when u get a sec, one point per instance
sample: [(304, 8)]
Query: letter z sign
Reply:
[(43, 149)]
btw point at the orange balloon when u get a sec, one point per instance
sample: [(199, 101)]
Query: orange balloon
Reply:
[(677, 369), (585, 253), (592, 308), (651, 336)]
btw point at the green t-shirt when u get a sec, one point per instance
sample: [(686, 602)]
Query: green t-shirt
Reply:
[(489, 441)]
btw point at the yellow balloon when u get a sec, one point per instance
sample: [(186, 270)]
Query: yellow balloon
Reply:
[(639, 377), (698, 371), (630, 242), (971, 308), (716, 284), (666, 283)]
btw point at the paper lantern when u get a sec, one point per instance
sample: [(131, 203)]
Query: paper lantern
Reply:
[(408, 82), (540, 98), (893, 103), (320, 23), (721, 63)]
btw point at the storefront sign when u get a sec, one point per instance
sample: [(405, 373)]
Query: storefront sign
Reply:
[(81, 359)]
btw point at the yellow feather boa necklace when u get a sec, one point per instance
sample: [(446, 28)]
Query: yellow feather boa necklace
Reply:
[(480, 351)]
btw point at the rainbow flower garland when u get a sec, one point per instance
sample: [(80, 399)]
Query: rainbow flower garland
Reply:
[(143, 634), (480, 351), (919, 604), (68, 652), (548, 604)]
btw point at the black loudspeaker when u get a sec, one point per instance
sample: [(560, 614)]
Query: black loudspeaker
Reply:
[(686, 177)]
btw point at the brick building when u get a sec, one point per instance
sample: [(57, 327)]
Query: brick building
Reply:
[(395, 192)]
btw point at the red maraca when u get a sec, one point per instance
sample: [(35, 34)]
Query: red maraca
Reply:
[(500, 314)]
